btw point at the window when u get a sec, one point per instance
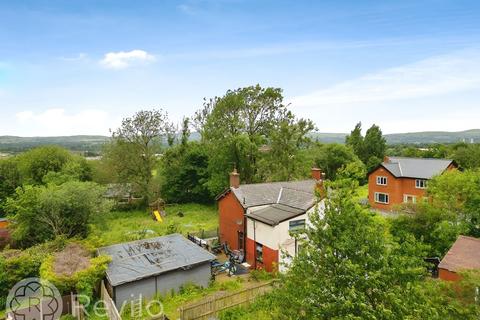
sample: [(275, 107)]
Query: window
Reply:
[(259, 252), (296, 225), (420, 183), (382, 181), (381, 197), (409, 198)]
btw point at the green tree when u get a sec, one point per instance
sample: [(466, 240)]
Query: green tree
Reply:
[(374, 147), (332, 157), (285, 158), (235, 126), (9, 180), (36, 163), (184, 174), (41, 213), (371, 148), (350, 268), (132, 152), (355, 140)]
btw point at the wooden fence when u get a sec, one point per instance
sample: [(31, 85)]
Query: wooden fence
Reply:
[(212, 306), (112, 311)]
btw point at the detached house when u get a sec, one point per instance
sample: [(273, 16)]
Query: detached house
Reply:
[(400, 180), (260, 219)]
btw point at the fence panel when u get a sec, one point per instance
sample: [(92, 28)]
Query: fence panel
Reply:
[(212, 306), (112, 311)]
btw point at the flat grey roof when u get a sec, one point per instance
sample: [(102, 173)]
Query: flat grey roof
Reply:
[(275, 213), (419, 168), (141, 259)]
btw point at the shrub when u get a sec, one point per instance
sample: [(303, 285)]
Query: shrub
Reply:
[(80, 274), (16, 265)]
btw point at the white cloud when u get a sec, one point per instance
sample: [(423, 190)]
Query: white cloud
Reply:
[(430, 77), (125, 59), (55, 122)]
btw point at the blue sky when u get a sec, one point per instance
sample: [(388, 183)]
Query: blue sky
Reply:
[(77, 67)]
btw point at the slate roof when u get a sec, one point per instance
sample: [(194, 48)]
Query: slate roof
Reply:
[(299, 194), (463, 255), (418, 168), (275, 213), (150, 257)]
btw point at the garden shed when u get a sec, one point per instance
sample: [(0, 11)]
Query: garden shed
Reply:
[(157, 265)]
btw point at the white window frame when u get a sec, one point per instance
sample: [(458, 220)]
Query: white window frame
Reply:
[(379, 181), (420, 182), (406, 196), (377, 197)]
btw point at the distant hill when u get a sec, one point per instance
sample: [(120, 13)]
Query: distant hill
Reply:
[(12, 144), (426, 137), (74, 143)]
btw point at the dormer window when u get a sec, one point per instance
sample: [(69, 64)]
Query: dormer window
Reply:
[(381, 181), (420, 184)]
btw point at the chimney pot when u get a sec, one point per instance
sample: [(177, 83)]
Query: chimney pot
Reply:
[(234, 179), (386, 159), (317, 174)]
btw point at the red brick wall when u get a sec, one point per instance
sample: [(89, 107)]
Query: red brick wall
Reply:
[(447, 275), (230, 212), (393, 188), (270, 257)]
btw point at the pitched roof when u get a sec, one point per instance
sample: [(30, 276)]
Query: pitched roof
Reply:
[(136, 260), (275, 213), (419, 168), (463, 255), (298, 194)]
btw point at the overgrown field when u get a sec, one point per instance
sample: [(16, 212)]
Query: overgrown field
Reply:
[(121, 226)]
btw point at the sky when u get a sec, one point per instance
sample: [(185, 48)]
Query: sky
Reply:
[(72, 67)]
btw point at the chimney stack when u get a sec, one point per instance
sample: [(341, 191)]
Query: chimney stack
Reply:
[(317, 173), (234, 179), (386, 159)]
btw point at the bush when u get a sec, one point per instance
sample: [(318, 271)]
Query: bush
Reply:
[(79, 274), (41, 213), (16, 265)]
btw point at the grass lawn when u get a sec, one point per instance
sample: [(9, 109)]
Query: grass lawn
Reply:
[(121, 226)]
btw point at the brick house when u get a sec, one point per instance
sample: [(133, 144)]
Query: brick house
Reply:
[(463, 255), (258, 218), (399, 180)]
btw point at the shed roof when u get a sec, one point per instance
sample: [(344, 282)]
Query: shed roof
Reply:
[(299, 194), (275, 213), (463, 255), (419, 168), (141, 259)]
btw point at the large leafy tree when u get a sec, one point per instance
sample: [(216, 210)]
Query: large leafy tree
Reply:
[(375, 146), (235, 126), (134, 146), (350, 268), (285, 157), (371, 148), (36, 163), (184, 174), (333, 157), (41, 213)]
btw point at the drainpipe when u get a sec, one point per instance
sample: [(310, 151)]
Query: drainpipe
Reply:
[(255, 244)]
